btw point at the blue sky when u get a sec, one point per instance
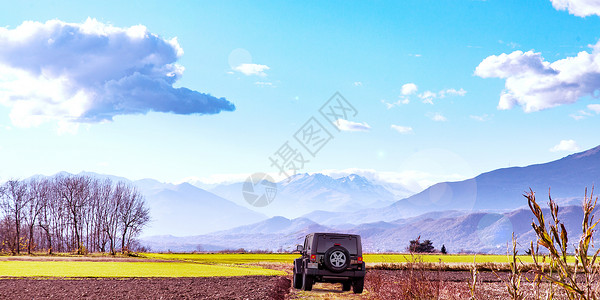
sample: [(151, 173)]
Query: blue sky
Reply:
[(278, 63)]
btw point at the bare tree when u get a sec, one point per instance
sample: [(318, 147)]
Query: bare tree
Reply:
[(70, 213), (75, 193), (38, 192), (14, 202), (133, 216)]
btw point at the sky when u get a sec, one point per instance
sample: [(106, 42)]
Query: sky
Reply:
[(217, 90)]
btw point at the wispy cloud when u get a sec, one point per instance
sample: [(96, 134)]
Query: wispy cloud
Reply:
[(401, 101), (481, 118), (264, 83), (252, 69), (91, 72), (594, 107), (345, 125), (429, 96), (510, 44), (402, 129), (565, 145), (438, 117), (358, 83)]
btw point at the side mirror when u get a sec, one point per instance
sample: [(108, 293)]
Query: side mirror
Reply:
[(299, 248)]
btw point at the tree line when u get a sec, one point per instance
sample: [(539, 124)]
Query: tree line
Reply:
[(75, 213)]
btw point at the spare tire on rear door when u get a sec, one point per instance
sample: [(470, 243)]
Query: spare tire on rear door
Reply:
[(337, 259)]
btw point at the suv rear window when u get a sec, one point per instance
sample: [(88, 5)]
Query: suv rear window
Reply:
[(349, 242)]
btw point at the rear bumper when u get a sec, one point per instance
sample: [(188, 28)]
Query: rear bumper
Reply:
[(344, 274), (327, 273)]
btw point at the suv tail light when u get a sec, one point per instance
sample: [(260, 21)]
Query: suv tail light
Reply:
[(359, 259), (313, 258)]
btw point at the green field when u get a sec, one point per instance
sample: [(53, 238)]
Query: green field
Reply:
[(205, 265), (246, 258), (232, 258), (124, 269)]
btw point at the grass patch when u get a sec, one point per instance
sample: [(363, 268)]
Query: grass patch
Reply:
[(124, 269)]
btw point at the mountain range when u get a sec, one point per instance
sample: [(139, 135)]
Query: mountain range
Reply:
[(477, 214), (303, 193)]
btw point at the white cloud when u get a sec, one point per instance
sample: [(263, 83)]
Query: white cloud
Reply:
[(401, 101), (345, 125), (565, 145), (438, 117), (429, 96), (409, 89), (402, 129), (90, 72), (580, 8), (252, 69), (536, 84), (358, 83), (451, 92), (594, 107)]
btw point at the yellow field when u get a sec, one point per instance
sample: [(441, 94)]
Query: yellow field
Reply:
[(245, 258), (204, 265), (124, 269), (231, 258)]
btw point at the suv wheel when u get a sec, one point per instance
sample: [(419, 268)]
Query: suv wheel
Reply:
[(337, 259), (297, 279), (307, 282), (358, 284)]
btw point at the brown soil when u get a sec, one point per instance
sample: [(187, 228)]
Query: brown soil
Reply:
[(393, 284), (248, 287)]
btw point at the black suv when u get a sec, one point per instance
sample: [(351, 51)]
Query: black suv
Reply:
[(330, 257)]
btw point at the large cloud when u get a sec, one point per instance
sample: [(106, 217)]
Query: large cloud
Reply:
[(536, 84), (91, 72), (580, 8)]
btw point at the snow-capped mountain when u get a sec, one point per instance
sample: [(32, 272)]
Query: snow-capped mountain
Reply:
[(304, 193)]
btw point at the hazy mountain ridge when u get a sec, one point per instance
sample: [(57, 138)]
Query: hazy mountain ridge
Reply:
[(477, 214), (473, 232), (302, 193)]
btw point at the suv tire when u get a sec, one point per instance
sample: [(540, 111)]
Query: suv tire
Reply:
[(358, 285), (307, 282), (297, 279), (346, 285), (337, 259)]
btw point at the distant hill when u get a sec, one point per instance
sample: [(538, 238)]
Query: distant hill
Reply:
[(184, 209), (498, 190), (479, 232), (503, 188)]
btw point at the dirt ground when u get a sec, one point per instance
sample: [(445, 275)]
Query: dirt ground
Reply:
[(379, 284), (248, 287), (388, 284)]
